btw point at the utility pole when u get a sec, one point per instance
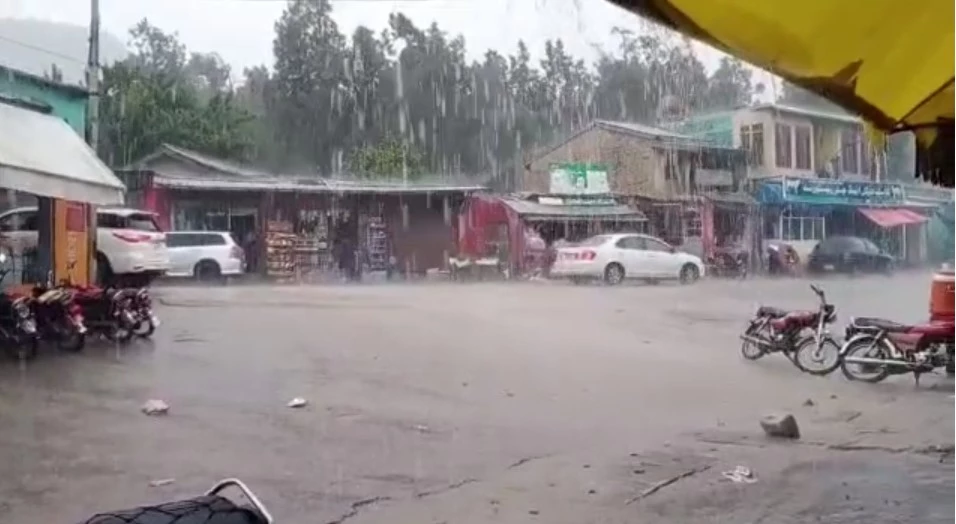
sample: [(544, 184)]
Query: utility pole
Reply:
[(93, 78)]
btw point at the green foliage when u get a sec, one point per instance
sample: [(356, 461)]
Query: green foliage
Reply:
[(159, 96), (389, 159), (407, 98)]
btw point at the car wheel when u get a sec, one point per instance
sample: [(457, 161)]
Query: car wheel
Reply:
[(613, 274), (689, 274), (207, 271)]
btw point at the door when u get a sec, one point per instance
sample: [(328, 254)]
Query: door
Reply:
[(632, 255), (659, 258), (183, 252)]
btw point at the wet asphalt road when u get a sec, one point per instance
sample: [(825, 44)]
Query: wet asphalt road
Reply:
[(464, 402)]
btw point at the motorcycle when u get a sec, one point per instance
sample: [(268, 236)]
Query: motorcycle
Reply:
[(728, 264), (59, 317), (213, 507), (146, 319), (109, 312), (774, 330), (782, 259), (877, 348), (18, 329)]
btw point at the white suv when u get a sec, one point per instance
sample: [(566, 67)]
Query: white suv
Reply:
[(204, 255), (128, 241)]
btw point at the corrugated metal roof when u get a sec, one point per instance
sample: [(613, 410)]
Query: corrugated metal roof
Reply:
[(809, 112), (531, 210), (642, 129), (43, 155), (228, 176)]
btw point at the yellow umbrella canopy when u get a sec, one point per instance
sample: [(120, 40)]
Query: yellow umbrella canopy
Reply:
[(889, 61)]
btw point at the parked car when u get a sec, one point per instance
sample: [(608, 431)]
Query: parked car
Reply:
[(849, 254), (129, 243), (616, 257), (204, 255)]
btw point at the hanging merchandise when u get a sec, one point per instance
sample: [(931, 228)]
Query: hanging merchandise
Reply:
[(280, 249), (376, 244)]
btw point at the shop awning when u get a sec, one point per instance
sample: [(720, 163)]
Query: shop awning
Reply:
[(537, 212), (41, 154), (892, 217)]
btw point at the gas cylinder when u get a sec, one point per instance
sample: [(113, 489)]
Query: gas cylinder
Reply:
[(942, 296)]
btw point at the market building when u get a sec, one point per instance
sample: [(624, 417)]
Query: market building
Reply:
[(291, 225), (39, 117), (802, 211), (691, 190)]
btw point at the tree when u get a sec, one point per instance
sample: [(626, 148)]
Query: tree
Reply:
[(309, 76), (797, 96), (730, 85), (391, 158), (151, 98)]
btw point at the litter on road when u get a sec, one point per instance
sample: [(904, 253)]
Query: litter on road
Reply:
[(155, 407), (298, 402), (740, 475)]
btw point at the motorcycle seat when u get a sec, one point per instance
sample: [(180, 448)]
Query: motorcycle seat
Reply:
[(881, 324), (772, 312)]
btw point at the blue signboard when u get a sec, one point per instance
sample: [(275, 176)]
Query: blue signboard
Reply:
[(830, 192)]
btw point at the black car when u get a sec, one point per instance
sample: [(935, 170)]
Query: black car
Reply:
[(849, 255)]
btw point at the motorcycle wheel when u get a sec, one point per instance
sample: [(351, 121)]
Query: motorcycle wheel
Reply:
[(73, 341), (819, 361), (121, 334), (144, 329), (751, 350), (865, 347)]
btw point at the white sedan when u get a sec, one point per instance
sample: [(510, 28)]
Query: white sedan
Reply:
[(616, 257)]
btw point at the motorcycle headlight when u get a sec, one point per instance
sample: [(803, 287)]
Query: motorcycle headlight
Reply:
[(23, 311)]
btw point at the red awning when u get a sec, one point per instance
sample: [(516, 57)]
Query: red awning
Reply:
[(892, 217)]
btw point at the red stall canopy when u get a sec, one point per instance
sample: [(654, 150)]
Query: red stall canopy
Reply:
[(892, 217)]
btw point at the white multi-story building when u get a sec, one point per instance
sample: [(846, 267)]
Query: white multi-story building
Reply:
[(787, 141)]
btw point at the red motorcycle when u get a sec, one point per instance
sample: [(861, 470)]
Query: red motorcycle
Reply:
[(774, 330), (877, 348)]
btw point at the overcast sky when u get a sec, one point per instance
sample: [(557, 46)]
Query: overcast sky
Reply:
[(241, 31)]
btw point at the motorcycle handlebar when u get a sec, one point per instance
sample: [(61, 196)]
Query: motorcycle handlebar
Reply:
[(819, 292)]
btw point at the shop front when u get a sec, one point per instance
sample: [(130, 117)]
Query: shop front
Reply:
[(801, 212), (519, 230), (42, 157)]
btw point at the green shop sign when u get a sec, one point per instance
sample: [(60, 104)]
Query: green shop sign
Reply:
[(578, 179), (817, 191)]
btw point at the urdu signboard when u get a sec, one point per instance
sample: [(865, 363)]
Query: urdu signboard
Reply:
[(578, 179), (822, 191)]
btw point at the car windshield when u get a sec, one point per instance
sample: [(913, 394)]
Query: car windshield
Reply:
[(141, 222)]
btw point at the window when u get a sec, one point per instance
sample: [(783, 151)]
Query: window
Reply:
[(181, 240), (850, 150), (23, 221), (783, 145), (213, 240), (142, 222), (751, 140), (756, 153), (630, 243), (652, 244), (803, 137), (797, 228)]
